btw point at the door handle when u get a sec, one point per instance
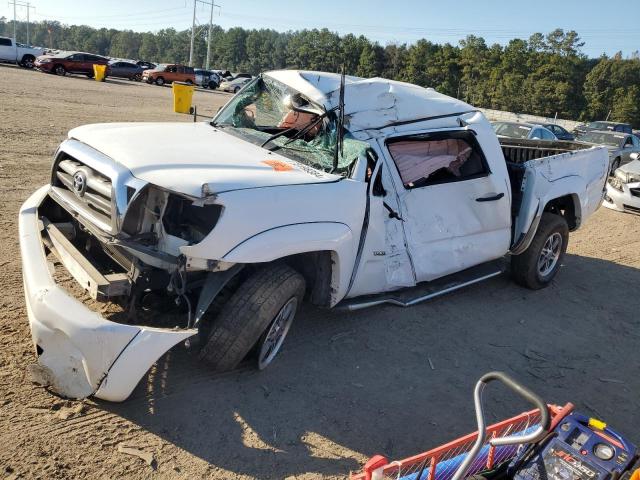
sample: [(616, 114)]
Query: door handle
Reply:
[(490, 199)]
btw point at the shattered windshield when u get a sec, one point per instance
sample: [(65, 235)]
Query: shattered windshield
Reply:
[(262, 114)]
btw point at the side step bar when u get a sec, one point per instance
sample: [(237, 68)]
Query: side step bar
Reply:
[(428, 290)]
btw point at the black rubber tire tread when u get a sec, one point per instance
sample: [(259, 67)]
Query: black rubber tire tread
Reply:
[(248, 313), (524, 267)]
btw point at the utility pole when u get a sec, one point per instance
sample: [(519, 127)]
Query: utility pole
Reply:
[(193, 30), (29, 7), (209, 34), (193, 33), (15, 18)]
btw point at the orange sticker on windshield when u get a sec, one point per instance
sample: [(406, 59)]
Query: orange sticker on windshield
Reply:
[(278, 165)]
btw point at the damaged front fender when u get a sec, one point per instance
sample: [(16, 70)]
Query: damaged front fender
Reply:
[(79, 352)]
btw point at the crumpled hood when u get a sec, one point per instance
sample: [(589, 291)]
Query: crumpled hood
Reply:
[(194, 158)]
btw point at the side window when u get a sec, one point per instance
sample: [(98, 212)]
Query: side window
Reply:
[(437, 158), (77, 57), (172, 69), (628, 142), (546, 135), (5, 42), (636, 141), (180, 69), (536, 133)]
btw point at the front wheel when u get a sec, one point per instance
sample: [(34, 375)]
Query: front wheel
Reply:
[(537, 266), (614, 166), (160, 81), (27, 61), (59, 70), (258, 314), (236, 90)]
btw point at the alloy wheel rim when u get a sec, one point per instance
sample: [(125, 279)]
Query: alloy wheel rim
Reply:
[(277, 332), (550, 254)]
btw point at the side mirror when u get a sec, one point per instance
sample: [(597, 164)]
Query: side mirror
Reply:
[(635, 156)]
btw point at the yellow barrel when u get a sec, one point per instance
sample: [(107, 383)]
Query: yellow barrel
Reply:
[(99, 72), (182, 95)]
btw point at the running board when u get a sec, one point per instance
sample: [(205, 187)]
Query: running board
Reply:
[(427, 290)]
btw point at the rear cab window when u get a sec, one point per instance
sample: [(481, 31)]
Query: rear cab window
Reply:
[(5, 42), (436, 158)]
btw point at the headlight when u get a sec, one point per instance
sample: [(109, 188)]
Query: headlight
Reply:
[(616, 183), (44, 60)]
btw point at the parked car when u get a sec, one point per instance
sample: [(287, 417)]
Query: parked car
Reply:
[(560, 132), (234, 86), (275, 201), (122, 69), (23, 55), (620, 145), (70, 62), (206, 78), (623, 188), (601, 125), (522, 130), (146, 65), (169, 73)]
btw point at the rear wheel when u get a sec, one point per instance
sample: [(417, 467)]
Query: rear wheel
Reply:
[(537, 266), (258, 314), (160, 81), (59, 70), (236, 89)]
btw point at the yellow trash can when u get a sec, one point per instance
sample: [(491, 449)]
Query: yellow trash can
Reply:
[(99, 72), (182, 95)]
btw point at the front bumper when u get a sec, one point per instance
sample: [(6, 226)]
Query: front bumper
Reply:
[(44, 67), (80, 353), (623, 201)]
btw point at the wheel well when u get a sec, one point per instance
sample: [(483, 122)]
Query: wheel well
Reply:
[(317, 269), (26, 56), (566, 208)]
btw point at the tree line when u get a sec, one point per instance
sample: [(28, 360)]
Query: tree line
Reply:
[(542, 75)]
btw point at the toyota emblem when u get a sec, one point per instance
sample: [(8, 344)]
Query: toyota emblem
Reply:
[(79, 183)]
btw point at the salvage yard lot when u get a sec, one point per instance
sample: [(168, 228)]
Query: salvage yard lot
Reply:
[(346, 386)]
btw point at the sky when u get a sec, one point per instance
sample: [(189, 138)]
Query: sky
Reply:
[(605, 26)]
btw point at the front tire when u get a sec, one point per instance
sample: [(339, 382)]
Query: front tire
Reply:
[(236, 90), (160, 81), (259, 313), (537, 266), (59, 70), (27, 61), (614, 166)]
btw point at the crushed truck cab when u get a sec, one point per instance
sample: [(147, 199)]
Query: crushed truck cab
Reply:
[(307, 186)]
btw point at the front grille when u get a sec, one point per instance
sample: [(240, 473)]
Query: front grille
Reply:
[(85, 189)]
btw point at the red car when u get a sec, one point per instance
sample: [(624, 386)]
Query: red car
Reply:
[(70, 62)]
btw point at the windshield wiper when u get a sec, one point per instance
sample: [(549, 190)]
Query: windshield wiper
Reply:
[(340, 127)]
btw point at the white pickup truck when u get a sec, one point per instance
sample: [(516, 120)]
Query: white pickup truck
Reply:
[(12, 52), (309, 186)]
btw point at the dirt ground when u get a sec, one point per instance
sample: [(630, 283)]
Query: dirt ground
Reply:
[(346, 386)]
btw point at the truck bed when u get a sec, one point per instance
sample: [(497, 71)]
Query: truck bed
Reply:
[(517, 152), (551, 168)]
